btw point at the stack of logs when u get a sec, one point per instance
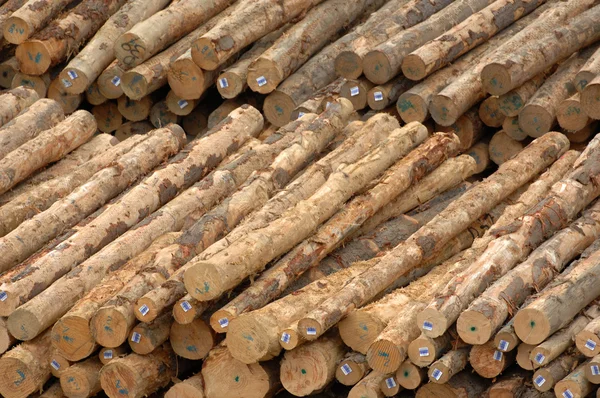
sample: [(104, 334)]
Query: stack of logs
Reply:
[(244, 252)]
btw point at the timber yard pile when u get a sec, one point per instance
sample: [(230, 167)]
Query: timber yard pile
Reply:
[(394, 198)]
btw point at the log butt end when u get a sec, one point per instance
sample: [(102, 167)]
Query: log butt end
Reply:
[(474, 327), (186, 79), (409, 375), (206, 54), (496, 79), (192, 341), (185, 314), (531, 326), (585, 341), (543, 380), (389, 386), (290, 339), (503, 148), (109, 86), (278, 108), (119, 380), (574, 389), (179, 106), (36, 83), (140, 342), (148, 315), (303, 372), (348, 64), (72, 337), (480, 152), (160, 116), (378, 98), (591, 371), (17, 378), (204, 282), (524, 356), (230, 85), (220, 320), (422, 352), (443, 110), (109, 327), (75, 383), (264, 76), (355, 92), (34, 57), (384, 356), (432, 322), (184, 390), (6, 339), (535, 120), (590, 100), (73, 81), (108, 118), (487, 361), (16, 30), (511, 127), (571, 116), (413, 67), (412, 108), (439, 373), (130, 50), (377, 67), (310, 329), (8, 69), (58, 364), (489, 112), (134, 85), (24, 325), (250, 340), (349, 373)]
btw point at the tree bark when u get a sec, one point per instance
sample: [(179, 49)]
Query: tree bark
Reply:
[(544, 379), (451, 363), (31, 17), (369, 386), (464, 384), (82, 379), (589, 98), (588, 72)]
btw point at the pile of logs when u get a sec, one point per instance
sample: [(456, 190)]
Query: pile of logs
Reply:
[(236, 198)]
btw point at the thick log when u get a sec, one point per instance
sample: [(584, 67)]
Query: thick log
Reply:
[(108, 117), (14, 101), (8, 70), (558, 343), (52, 45), (439, 231), (588, 72), (503, 147), (512, 129), (544, 379), (82, 379), (489, 112), (192, 387), (352, 368), (451, 363), (501, 74), (109, 81), (38, 83), (369, 386), (575, 384), (570, 114), (589, 98), (193, 340), (356, 91), (488, 362), (99, 53), (7, 9), (146, 337), (512, 103), (464, 384), (40, 116)]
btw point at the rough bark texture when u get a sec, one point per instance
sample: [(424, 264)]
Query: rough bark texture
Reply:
[(82, 380), (157, 189), (440, 230), (99, 52), (49, 146), (368, 386), (54, 391), (57, 41), (451, 363), (588, 72), (7, 9), (14, 101), (464, 385)]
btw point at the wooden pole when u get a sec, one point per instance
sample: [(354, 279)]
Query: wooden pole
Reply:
[(29, 18)]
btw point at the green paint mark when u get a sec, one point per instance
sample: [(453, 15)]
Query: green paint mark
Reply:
[(494, 82), (279, 110), (303, 371), (532, 324), (108, 329), (68, 339), (191, 348), (405, 105), (122, 390), (406, 373), (473, 328), (206, 289), (364, 327), (237, 379)]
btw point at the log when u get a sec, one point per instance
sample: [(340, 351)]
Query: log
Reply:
[(512, 129), (39, 83), (523, 356), (82, 379), (575, 384), (506, 339), (154, 34), (588, 72), (583, 135), (488, 362), (382, 96), (589, 98), (8, 70), (187, 309), (409, 254), (180, 173), (587, 340), (160, 116), (318, 101), (14, 101), (137, 376), (508, 385), (94, 96), (539, 114), (223, 110), (375, 162), (52, 45), (178, 106), (99, 53), (192, 387), (464, 384), (107, 355), (503, 147), (96, 192), (489, 112), (521, 237), (69, 102), (356, 91), (233, 80), (253, 380), (451, 363), (501, 73), (512, 103), (58, 363), (570, 114), (146, 337), (193, 340), (131, 129), (26, 367), (468, 128), (311, 367), (54, 391), (135, 110), (109, 81), (40, 116), (6, 339), (389, 386), (108, 117), (558, 343), (423, 350), (544, 379), (592, 370), (29, 18), (467, 34), (7, 9), (368, 386), (49, 146), (352, 368), (410, 376)]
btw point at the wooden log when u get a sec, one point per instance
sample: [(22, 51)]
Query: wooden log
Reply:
[(488, 362), (589, 98), (39, 83), (193, 340), (587, 340), (6, 339), (489, 112), (146, 337), (389, 386), (253, 380), (222, 111), (140, 375), (318, 101), (423, 350), (154, 34), (160, 116), (131, 129), (464, 36), (109, 81), (464, 384), (544, 379), (503, 147), (94, 96), (375, 162), (7, 9), (97, 191), (380, 97), (451, 363), (356, 91), (107, 355), (98, 54), (26, 367), (311, 367), (575, 384), (54, 391), (69, 102), (381, 64), (233, 80), (178, 106), (588, 72), (539, 114), (82, 379), (558, 343), (592, 372), (369, 386), (8, 70), (501, 75), (58, 363), (408, 255), (570, 114), (467, 90), (14, 101), (196, 123), (512, 129), (410, 376), (583, 135), (51, 45), (40, 116), (352, 368), (47, 147), (508, 385), (468, 128), (192, 387), (506, 339), (512, 103), (108, 118), (522, 237), (180, 173), (135, 110), (523, 356), (29, 18)]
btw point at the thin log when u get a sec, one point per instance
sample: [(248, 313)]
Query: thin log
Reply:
[(94, 96), (108, 117), (8, 70), (352, 368), (489, 112), (575, 384), (69, 102), (588, 72), (369, 386), (506, 339), (589, 98), (109, 81), (146, 337), (512, 103), (464, 384), (107, 355), (14, 101), (544, 379), (451, 363), (570, 114)]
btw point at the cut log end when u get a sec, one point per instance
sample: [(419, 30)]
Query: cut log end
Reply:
[(278, 108), (439, 373), (72, 336), (505, 341), (109, 327), (496, 79), (532, 326), (413, 67), (590, 100), (432, 323), (357, 92), (179, 106), (264, 76), (511, 127), (359, 329), (390, 386), (24, 324), (152, 310), (185, 390), (34, 57), (535, 120), (410, 376), (134, 85), (206, 54), (303, 375), (412, 108), (443, 110), (10, 303), (76, 384), (186, 79), (130, 50), (204, 282), (119, 380), (16, 30), (290, 338), (543, 380), (69, 102), (108, 118), (384, 356), (310, 329), (349, 65), (377, 67), (58, 364), (489, 112), (184, 312), (592, 371), (249, 340), (220, 320), (349, 372), (192, 341), (523, 356), (8, 70), (487, 361), (73, 81), (569, 388), (18, 379), (571, 116), (378, 98), (588, 343), (503, 147), (230, 85), (422, 351)]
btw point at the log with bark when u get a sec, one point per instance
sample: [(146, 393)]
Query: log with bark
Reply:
[(369, 386), (8, 70), (382, 96), (588, 72), (99, 53), (192, 387), (451, 363), (69, 102), (53, 44), (31, 17), (513, 102), (588, 340), (82, 379), (489, 112), (109, 81), (352, 368), (439, 231), (570, 114), (146, 337), (575, 384), (464, 384), (503, 147), (488, 362), (589, 98), (544, 379), (14, 101)]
